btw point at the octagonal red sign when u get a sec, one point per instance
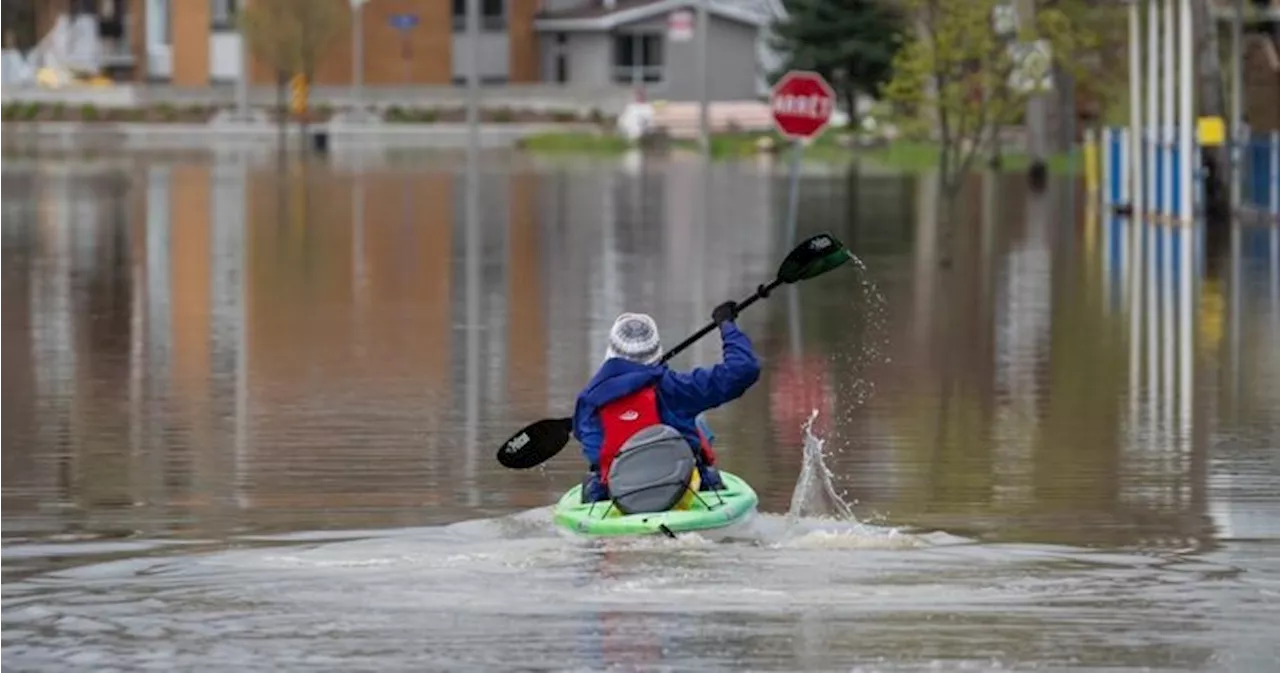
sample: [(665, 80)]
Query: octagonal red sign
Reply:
[(802, 103)]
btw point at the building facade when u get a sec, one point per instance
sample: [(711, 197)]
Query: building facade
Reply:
[(589, 43), (196, 42)]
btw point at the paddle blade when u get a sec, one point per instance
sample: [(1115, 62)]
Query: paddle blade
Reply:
[(813, 257), (536, 443)]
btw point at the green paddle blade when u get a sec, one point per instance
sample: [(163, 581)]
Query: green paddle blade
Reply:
[(813, 257)]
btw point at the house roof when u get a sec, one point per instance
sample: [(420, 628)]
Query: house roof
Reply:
[(596, 15)]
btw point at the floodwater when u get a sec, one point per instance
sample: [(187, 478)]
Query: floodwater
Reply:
[(250, 418)]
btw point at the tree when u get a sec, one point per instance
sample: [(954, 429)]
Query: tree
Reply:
[(959, 81), (292, 36), (849, 42)]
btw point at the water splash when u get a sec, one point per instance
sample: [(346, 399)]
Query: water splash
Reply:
[(815, 493), (872, 341)]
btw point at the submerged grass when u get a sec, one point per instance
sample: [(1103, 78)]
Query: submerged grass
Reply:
[(905, 156)]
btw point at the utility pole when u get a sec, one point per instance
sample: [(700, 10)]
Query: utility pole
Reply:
[(1036, 106), (704, 130), (1236, 135), (357, 53)]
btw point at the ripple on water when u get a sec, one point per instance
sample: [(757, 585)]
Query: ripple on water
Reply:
[(788, 592)]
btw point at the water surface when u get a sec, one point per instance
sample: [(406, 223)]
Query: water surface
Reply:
[(250, 416)]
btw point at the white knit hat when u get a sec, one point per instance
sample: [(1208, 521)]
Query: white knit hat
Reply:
[(634, 337)]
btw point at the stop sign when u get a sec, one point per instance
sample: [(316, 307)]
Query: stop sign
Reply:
[(802, 103)]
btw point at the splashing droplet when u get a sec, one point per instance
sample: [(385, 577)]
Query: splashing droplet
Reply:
[(815, 493)]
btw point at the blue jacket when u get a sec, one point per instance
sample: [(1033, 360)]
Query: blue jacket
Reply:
[(681, 396)]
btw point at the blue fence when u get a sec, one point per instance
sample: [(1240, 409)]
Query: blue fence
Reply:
[(1259, 174)]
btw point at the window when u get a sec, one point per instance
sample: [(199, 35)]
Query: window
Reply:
[(223, 14), (111, 25), (493, 15), (20, 26), (637, 57)]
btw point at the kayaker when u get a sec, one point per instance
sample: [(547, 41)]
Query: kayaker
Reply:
[(632, 390)]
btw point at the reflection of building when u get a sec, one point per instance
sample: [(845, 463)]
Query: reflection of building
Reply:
[(26, 473)]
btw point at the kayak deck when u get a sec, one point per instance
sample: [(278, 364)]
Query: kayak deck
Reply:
[(712, 509)]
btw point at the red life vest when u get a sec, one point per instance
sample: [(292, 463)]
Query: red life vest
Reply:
[(627, 415)]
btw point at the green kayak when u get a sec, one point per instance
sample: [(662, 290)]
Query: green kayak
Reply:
[(712, 509)]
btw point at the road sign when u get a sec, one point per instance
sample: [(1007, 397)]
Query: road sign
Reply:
[(1032, 66), (802, 103), (680, 26), (403, 21), (298, 94)]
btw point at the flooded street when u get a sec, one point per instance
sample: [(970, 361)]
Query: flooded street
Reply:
[(251, 414)]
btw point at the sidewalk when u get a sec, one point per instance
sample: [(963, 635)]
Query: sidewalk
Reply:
[(134, 135), (607, 100)]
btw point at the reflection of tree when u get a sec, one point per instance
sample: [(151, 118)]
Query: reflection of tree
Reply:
[(292, 37), (962, 464), (1077, 448)]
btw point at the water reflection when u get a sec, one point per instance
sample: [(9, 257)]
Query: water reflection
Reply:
[(202, 347), (207, 349)]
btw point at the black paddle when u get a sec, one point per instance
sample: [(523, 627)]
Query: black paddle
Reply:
[(537, 443)]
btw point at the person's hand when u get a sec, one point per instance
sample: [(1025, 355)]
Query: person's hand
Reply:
[(725, 312)]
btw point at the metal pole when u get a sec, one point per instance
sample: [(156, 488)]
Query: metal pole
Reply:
[(357, 52), (242, 84), (1186, 114), (1036, 103), (1169, 127), (1135, 120), (1154, 135), (473, 74), (704, 131), (1135, 181), (793, 193), (1237, 113), (472, 267), (793, 211)]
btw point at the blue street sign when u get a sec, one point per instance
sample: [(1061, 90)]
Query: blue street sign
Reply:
[(404, 21)]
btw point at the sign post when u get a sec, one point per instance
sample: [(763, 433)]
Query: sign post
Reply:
[(405, 23), (801, 103)]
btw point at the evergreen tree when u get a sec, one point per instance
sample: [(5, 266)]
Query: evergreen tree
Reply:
[(850, 42)]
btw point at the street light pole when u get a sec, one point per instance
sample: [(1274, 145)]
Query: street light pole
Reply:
[(242, 84), (357, 52), (1237, 93), (357, 56), (704, 124)]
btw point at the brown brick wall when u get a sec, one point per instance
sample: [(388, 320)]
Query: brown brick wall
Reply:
[(191, 28), (522, 65), (430, 46)]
